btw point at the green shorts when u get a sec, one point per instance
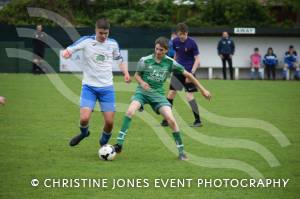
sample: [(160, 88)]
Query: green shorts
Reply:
[(154, 100)]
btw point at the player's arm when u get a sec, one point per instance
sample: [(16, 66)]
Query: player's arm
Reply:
[(140, 81), (122, 65), (196, 64), (180, 69), (77, 45), (196, 57), (138, 75), (66, 54), (124, 68), (201, 88)]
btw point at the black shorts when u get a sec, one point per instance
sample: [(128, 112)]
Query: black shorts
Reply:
[(178, 83), (40, 52)]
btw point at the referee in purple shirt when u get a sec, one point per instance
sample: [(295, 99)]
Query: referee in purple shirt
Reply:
[(186, 54)]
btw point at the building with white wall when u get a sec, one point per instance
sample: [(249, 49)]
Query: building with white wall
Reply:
[(208, 39)]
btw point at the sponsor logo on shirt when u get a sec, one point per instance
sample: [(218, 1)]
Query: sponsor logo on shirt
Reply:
[(99, 58), (158, 75)]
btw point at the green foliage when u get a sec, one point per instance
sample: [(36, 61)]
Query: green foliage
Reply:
[(236, 13), (16, 12), (146, 13)]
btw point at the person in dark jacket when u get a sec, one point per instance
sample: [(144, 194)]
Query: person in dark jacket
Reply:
[(291, 62), (270, 60), (39, 45), (226, 49)]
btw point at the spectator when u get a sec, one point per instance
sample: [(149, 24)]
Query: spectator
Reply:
[(38, 44), (256, 65), (270, 61), (226, 49), (291, 62)]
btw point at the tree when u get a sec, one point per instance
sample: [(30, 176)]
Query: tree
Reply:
[(236, 13), (155, 13)]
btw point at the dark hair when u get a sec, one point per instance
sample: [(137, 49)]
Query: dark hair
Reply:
[(163, 42), (102, 23), (291, 46), (270, 49), (256, 49), (182, 27)]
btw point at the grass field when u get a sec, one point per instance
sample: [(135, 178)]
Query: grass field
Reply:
[(38, 121)]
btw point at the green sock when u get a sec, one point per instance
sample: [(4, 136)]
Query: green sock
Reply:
[(178, 141), (123, 131)]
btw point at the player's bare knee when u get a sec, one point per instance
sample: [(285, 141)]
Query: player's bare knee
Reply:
[(189, 96), (108, 126), (84, 121)]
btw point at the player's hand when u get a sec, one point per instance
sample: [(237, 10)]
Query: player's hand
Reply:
[(2, 100), (145, 86), (66, 54), (221, 56), (206, 94), (127, 78)]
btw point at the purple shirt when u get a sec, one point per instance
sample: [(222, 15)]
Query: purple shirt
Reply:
[(185, 52)]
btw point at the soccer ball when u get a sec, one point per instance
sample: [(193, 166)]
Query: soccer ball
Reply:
[(107, 152)]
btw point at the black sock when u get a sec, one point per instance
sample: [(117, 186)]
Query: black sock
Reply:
[(194, 107), (34, 66)]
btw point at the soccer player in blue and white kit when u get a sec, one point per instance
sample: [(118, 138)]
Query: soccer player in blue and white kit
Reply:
[(99, 51)]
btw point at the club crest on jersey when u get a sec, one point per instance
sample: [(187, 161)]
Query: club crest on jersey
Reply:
[(99, 58)]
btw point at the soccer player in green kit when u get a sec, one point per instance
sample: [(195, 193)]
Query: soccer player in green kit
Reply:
[(152, 72)]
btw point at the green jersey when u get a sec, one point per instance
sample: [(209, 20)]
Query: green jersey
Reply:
[(155, 74)]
